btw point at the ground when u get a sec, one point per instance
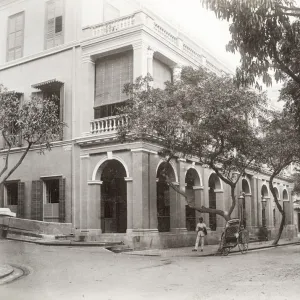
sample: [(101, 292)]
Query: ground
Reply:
[(95, 273)]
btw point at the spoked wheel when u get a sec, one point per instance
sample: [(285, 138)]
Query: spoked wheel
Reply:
[(243, 241), (225, 251)]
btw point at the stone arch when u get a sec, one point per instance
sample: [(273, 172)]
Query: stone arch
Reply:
[(113, 199), (192, 179), (285, 195), (171, 163), (197, 175), (163, 194), (264, 191), (246, 187), (96, 175)]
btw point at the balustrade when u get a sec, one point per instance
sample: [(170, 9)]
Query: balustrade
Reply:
[(108, 124)]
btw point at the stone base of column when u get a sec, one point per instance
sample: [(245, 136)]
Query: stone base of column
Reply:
[(141, 231), (178, 230)]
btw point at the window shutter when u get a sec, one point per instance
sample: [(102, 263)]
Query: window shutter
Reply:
[(111, 75), (37, 200), (161, 74), (21, 200), (62, 200)]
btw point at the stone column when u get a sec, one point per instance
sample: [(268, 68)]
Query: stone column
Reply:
[(94, 207), (150, 53), (88, 95), (220, 205), (142, 196), (140, 59), (205, 199), (84, 192), (248, 210), (198, 192), (129, 204)]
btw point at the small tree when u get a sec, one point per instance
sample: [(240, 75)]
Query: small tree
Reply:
[(201, 115), (35, 121), (280, 148)]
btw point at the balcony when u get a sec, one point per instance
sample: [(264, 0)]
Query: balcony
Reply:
[(162, 31), (108, 125)]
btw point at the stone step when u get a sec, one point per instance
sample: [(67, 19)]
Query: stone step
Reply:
[(119, 248)]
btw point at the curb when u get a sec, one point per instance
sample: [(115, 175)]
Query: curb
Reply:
[(5, 270)]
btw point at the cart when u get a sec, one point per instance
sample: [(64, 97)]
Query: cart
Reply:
[(234, 235)]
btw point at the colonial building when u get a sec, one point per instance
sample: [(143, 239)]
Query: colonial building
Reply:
[(108, 190)]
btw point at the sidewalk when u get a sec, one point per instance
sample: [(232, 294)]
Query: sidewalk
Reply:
[(209, 250)]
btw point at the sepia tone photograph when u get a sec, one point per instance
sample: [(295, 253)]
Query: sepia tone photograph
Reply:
[(149, 149)]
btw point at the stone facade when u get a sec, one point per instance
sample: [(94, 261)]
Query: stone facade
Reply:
[(108, 190)]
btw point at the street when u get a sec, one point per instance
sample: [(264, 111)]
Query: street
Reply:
[(95, 273)]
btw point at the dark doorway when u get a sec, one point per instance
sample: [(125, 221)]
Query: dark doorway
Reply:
[(113, 198)]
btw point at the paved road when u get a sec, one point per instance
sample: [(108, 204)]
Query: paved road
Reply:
[(93, 273)]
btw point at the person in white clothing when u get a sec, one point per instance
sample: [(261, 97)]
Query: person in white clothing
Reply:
[(201, 232)]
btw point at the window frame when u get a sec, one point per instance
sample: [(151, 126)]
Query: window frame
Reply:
[(55, 16), (7, 36), (6, 192)]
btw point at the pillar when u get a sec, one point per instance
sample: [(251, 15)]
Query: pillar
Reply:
[(176, 72), (220, 205), (248, 210), (150, 53), (84, 193), (88, 91), (205, 199), (144, 211), (129, 190), (199, 194), (94, 207), (140, 59)]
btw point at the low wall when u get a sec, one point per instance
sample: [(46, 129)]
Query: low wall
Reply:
[(39, 227)]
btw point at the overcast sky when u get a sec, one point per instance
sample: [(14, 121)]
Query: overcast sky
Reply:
[(202, 25)]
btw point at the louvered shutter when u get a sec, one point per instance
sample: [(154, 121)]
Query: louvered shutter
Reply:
[(62, 200), (50, 24), (111, 75), (161, 74), (37, 200), (21, 200)]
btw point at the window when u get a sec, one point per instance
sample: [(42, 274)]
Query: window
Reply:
[(111, 75), (11, 193), (52, 190), (54, 34), (15, 36)]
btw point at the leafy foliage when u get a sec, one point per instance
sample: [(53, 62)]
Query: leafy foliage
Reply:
[(36, 122), (201, 115)]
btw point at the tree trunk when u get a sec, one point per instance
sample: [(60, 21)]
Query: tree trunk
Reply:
[(275, 242)]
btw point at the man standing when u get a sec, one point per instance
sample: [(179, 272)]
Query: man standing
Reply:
[(201, 233)]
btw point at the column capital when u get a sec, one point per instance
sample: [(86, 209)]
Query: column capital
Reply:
[(88, 59), (150, 52), (128, 179), (83, 156), (139, 45), (198, 187)]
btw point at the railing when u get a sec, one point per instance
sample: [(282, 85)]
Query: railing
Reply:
[(113, 26), (108, 124), (167, 32)]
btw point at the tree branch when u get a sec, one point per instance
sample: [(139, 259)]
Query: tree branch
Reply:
[(17, 164), (7, 155)]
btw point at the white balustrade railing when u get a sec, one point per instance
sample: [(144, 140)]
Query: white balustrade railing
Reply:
[(113, 26), (108, 124), (165, 34)]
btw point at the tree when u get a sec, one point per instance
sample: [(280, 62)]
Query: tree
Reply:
[(280, 148), (266, 33), (36, 122), (200, 115)]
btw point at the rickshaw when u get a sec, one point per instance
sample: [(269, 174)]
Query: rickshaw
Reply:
[(234, 235)]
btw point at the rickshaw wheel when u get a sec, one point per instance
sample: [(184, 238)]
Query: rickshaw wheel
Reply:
[(225, 251)]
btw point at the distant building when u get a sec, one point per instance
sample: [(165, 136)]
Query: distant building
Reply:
[(109, 190)]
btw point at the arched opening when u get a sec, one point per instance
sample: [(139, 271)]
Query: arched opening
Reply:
[(113, 197), (264, 198), (191, 179), (163, 196), (276, 193), (213, 184)]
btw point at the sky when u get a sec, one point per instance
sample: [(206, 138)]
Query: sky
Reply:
[(190, 17)]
